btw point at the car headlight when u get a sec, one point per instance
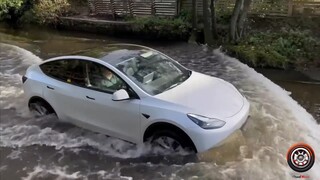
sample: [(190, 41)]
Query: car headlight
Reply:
[(205, 122)]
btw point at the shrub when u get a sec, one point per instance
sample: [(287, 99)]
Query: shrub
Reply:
[(5, 5), (278, 50), (11, 11), (48, 11), (162, 27), (259, 56), (185, 15)]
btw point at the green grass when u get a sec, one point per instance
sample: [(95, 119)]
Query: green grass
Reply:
[(277, 49), (176, 28)]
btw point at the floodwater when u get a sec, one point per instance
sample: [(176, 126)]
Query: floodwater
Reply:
[(44, 148)]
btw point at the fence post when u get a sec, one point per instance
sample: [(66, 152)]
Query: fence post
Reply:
[(130, 2), (91, 6), (113, 11), (153, 8), (178, 7), (290, 7)]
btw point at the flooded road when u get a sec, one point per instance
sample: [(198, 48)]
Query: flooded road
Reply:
[(43, 148)]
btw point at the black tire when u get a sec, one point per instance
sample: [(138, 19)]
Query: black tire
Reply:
[(40, 108), (180, 139)]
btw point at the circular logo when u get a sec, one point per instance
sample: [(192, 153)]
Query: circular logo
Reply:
[(300, 157)]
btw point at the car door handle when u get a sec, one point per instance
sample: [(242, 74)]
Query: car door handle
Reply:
[(50, 87), (88, 97)]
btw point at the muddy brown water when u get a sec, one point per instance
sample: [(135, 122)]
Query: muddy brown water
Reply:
[(44, 148)]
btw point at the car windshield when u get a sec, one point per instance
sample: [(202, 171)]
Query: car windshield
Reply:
[(153, 72)]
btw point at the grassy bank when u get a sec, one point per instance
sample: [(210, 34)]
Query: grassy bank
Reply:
[(284, 43), (285, 49)]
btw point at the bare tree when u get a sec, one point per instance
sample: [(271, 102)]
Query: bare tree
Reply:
[(243, 17), (214, 19), (238, 18), (234, 20), (206, 23)]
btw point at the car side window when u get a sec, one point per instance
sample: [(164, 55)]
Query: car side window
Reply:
[(101, 78), (70, 71)]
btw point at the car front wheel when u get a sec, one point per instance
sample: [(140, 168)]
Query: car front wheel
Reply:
[(171, 141), (40, 109)]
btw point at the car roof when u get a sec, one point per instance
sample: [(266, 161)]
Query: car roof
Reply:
[(115, 53)]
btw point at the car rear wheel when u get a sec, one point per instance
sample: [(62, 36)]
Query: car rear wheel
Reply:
[(171, 141), (40, 108)]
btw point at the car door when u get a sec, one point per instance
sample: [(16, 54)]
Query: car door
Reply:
[(65, 88), (116, 118)]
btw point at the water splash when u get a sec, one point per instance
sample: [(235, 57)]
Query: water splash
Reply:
[(289, 122), (13, 62), (277, 122)]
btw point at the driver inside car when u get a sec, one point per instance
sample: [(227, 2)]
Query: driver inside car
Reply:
[(109, 81)]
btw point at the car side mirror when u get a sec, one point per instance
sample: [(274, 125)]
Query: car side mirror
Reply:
[(120, 95)]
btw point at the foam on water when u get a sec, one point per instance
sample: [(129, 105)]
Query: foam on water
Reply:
[(13, 63), (26, 135), (3, 168), (22, 135), (277, 121), (57, 172), (14, 154), (302, 126), (43, 172)]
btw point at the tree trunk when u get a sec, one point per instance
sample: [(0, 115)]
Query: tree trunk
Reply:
[(234, 19), (206, 23), (214, 19), (243, 16), (194, 14)]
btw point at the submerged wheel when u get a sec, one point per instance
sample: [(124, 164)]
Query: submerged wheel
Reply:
[(171, 141), (40, 108)]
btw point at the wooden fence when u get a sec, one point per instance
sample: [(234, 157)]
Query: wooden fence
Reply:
[(134, 7), (171, 8)]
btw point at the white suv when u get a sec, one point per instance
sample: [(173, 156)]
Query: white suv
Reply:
[(137, 94)]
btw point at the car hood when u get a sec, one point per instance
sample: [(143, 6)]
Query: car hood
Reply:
[(205, 95)]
